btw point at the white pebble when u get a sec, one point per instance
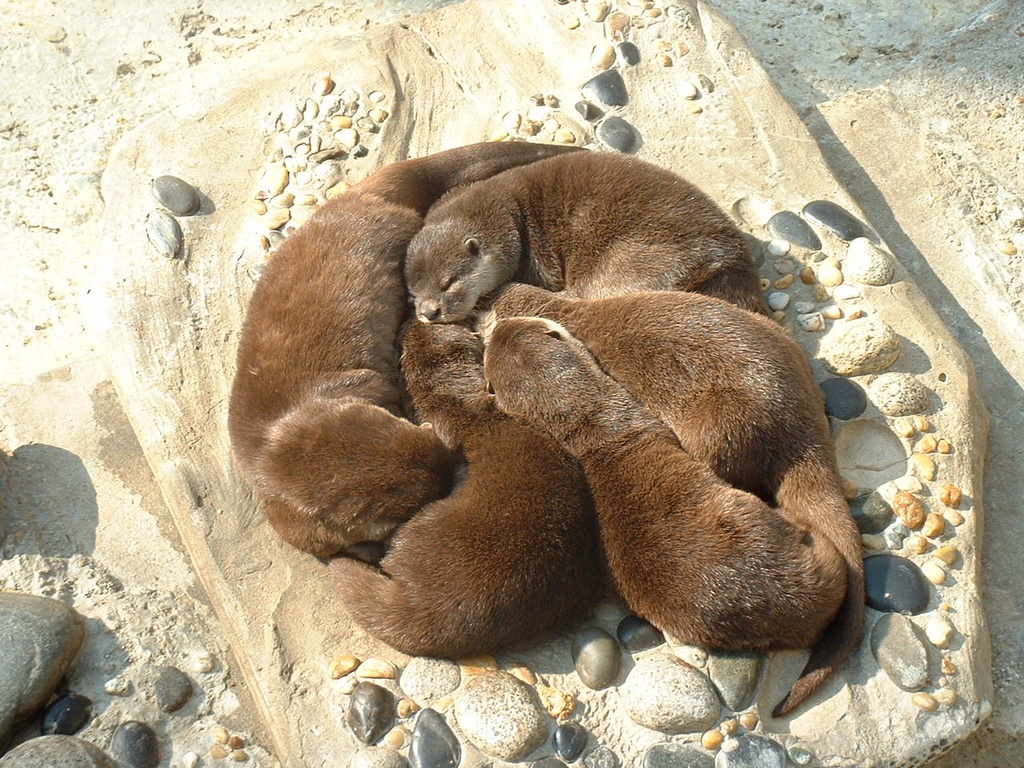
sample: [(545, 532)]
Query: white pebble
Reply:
[(602, 56), (687, 90), (805, 307), (775, 247), (908, 483), (867, 264), (939, 631), (778, 300), (512, 120), (376, 97), (291, 116), (845, 293), (189, 760), (832, 312), (203, 662), (117, 686), (811, 322), (829, 273)]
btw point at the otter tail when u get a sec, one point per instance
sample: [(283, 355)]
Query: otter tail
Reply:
[(829, 517)]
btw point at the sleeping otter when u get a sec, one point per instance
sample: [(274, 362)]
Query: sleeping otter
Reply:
[(511, 554), (739, 394), (592, 224), (314, 415)]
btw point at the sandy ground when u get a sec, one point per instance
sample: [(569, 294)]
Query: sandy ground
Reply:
[(918, 109)]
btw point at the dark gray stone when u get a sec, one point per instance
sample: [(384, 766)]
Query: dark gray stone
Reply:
[(844, 399), (597, 657), (602, 757), (608, 87), (628, 53), (786, 225), (570, 739), (636, 634), (589, 111), (834, 218), (135, 745), (433, 743), (57, 752), (749, 750), (172, 688), (901, 649), (617, 134), (164, 234), (548, 762), (39, 637), (736, 675), (677, 756), (177, 196), (871, 512), (67, 715), (895, 584), (371, 712)]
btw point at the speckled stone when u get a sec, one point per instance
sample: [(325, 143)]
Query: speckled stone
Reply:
[(501, 716), (569, 740), (172, 688), (895, 584), (617, 134), (40, 638), (856, 347), (164, 234), (596, 656), (371, 712), (834, 218), (736, 675), (67, 715), (424, 679), (377, 757), (677, 756), (844, 399), (57, 752), (868, 264), (602, 757), (898, 394), (749, 750), (135, 745), (787, 226), (871, 512), (608, 88), (636, 634), (176, 195), (900, 650), (666, 694), (433, 743), (869, 454), (628, 53)]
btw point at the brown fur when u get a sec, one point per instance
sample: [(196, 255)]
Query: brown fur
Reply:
[(315, 405), (511, 554), (591, 224), (739, 394)]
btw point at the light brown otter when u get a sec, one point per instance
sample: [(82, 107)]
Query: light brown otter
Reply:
[(314, 415), (593, 224), (739, 394), (510, 555)]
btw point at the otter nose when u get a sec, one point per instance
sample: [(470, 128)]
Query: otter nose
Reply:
[(429, 311)]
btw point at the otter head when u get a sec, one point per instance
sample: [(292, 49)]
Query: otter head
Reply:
[(448, 267)]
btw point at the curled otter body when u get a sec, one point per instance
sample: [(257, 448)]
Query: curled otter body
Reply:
[(739, 395), (314, 413), (592, 224), (511, 554)]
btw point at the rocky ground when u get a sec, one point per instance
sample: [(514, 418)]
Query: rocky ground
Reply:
[(919, 112)]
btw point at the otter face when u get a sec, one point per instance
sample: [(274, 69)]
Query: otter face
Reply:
[(447, 270)]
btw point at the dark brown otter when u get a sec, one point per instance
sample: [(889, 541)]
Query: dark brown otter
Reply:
[(510, 555), (739, 394), (593, 224), (314, 416)]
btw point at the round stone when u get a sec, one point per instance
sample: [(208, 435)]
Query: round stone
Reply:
[(749, 750), (834, 218), (608, 88), (736, 674), (501, 716), (871, 512), (778, 300), (176, 195), (787, 226), (895, 584), (869, 454), (164, 234), (377, 757), (602, 56), (898, 394), (57, 752), (868, 264), (636, 634), (67, 715), (666, 694), (617, 134), (570, 739), (628, 53), (602, 757), (900, 650), (939, 631), (371, 712), (865, 345), (424, 679), (135, 745), (172, 688), (844, 399), (433, 743), (677, 756), (596, 656)]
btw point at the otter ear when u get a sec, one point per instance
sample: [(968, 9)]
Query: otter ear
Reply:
[(553, 333), (472, 246)]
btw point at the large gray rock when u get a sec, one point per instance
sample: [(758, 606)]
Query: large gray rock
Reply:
[(57, 752)]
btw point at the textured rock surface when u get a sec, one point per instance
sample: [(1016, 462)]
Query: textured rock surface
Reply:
[(57, 752)]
